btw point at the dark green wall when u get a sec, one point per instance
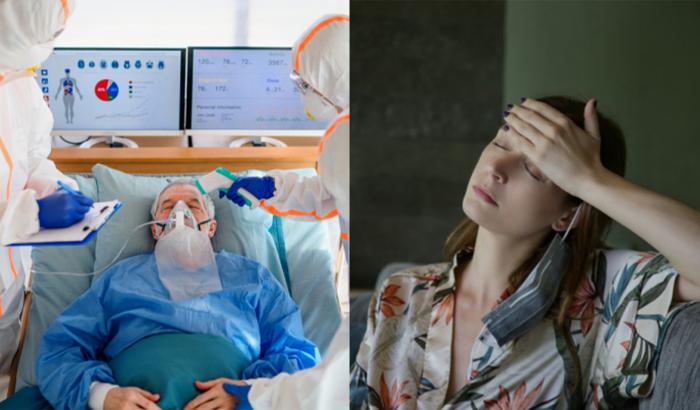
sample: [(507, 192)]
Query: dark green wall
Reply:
[(640, 59)]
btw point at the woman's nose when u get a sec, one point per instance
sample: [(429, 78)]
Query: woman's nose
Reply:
[(499, 176), (501, 166)]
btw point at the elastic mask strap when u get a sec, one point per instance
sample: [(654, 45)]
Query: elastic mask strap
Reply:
[(573, 221), (199, 225), (162, 224)]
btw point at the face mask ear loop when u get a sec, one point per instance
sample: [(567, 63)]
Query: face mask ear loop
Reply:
[(573, 221)]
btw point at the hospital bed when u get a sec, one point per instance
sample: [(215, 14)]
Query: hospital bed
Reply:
[(303, 256)]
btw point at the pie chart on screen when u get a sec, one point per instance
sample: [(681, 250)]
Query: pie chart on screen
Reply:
[(106, 90)]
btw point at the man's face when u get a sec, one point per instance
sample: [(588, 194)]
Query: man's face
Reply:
[(192, 198)]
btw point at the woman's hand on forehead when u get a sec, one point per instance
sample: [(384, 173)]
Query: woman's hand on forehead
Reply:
[(565, 153)]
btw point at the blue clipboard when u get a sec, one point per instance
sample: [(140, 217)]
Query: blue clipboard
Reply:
[(98, 217)]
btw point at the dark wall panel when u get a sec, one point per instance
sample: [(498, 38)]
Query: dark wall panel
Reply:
[(426, 96)]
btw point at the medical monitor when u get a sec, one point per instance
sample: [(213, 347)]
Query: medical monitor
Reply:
[(242, 91), (109, 91)]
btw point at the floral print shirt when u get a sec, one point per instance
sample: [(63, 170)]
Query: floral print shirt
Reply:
[(616, 322)]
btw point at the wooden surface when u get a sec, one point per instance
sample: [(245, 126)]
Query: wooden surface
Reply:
[(158, 160)]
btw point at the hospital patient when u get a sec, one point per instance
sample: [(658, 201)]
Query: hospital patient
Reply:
[(182, 287)]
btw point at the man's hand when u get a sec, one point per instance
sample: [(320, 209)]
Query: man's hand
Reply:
[(214, 396), (123, 398)]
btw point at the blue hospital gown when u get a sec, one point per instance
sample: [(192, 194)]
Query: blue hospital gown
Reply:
[(128, 303)]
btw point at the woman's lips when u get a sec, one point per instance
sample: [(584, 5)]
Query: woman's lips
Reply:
[(481, 193)]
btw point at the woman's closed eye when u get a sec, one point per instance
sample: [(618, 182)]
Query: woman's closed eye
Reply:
[(526, 165), (530, 172), (501, 146)]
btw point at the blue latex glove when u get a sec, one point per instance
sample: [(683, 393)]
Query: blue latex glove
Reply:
[(63, 208), (241, 392), (260, 187)]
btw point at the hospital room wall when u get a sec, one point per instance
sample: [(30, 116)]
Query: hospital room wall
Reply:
[(138, 23), (640, 59), (426, 97)]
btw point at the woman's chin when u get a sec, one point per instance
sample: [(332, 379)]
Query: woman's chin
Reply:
[(476, 210)]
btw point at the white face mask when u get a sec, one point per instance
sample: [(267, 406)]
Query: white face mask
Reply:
[(317, 108), (185, 258)]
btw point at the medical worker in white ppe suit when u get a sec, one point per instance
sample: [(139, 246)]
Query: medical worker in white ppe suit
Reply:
[(30, 192), (321, 70)]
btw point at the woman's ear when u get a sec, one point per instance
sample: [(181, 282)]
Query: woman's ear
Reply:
[(562, 223)]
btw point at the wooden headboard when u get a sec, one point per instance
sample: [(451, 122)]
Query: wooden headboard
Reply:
[(180, 160)]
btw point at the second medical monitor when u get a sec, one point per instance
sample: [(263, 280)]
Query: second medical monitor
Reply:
[(245, 91)]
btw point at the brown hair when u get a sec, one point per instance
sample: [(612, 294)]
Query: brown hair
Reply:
[(583, 240)]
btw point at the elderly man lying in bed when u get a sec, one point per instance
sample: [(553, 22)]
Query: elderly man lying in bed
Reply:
[(182, 288)]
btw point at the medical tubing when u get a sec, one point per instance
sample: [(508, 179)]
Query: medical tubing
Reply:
[(110, 263)]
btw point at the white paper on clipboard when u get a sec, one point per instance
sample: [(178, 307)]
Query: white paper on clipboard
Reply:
[(76, 233)]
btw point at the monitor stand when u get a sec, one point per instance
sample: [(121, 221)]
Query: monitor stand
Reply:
[(257, 142), (113, 142)]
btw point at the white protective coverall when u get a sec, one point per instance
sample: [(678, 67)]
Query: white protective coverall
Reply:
[(321, 57), (27, 31)]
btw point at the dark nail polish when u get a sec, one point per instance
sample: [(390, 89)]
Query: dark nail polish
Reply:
[(505, 113), (522, 99), (506, 128), (509, 106), (595, 103)]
